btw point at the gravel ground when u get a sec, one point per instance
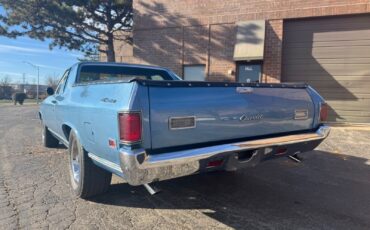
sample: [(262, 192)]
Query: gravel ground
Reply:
[(328, 190)]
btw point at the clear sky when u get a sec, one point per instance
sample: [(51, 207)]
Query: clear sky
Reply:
[(14, 52)]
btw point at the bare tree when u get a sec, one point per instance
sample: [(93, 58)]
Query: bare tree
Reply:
[(5, 81), (5, 89), (52, 81)]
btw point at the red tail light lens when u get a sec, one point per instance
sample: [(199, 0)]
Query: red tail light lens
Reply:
[(324, 110), (130, 127), (215, 163)]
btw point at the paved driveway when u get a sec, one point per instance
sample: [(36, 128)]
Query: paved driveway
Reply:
[(329, 190)]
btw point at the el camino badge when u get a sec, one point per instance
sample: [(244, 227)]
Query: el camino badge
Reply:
[(255, 117), (108, 100), (244, 117)]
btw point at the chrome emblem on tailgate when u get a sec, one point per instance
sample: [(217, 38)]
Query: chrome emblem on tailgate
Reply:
[(256, 117), (244, 117)]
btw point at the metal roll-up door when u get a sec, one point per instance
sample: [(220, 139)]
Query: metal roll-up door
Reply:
[(333, 55)]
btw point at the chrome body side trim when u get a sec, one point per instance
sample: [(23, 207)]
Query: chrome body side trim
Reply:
[(205, 119), (106, 163), (65, 142), (139, 168)]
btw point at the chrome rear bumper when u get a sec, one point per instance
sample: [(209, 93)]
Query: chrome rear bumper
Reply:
[(139, 168)]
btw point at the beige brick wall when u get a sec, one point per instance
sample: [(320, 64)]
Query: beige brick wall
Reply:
[(172, 33)]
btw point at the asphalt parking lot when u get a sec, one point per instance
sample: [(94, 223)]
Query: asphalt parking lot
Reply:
[(330, 189)]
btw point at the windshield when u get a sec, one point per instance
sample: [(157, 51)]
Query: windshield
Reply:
[(101, 73)]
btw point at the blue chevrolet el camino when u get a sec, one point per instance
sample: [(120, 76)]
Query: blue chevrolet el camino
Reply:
[(145, 124)]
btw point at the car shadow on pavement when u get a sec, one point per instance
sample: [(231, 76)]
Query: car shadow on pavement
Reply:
[(326, 190)]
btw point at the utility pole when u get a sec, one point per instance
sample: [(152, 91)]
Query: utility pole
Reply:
[(22, 87), (38, 83)]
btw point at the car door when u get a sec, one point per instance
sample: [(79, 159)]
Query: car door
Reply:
[(57, 102), (48, 113)]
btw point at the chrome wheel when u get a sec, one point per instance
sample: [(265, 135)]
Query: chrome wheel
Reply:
[(75, 162), (86, 178)]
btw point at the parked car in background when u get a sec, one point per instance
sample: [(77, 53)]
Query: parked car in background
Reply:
[(145, 124)]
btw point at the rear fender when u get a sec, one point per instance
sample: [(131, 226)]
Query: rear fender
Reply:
[(71, 128), (317, 100)]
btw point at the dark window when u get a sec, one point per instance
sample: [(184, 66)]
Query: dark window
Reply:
[(100, 73), (194, 72), (62, 82), (249, 72)]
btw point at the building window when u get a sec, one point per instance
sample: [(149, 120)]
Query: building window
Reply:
[(249, 72), (194, 72)]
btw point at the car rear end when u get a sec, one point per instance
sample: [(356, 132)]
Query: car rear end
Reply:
[(177, 128)]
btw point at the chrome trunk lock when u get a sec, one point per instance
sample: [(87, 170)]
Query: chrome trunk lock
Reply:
[(244, 89)]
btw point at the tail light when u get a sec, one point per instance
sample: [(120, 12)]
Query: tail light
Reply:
[(324, 110), (129, 127), (215, 163)]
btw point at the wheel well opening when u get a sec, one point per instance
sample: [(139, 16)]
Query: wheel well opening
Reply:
[(66, 131)]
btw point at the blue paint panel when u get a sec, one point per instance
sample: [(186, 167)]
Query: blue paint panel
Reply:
[(218, 111)]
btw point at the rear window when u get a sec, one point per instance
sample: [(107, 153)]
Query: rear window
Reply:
[(91, 73)]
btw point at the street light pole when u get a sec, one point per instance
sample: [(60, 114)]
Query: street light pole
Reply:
[(38, 79), (38, 83)]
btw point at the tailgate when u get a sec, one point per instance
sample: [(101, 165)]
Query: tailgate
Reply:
[(191, 115)]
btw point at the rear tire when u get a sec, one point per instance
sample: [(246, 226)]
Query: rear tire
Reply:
[(48, 140), (87, 179)]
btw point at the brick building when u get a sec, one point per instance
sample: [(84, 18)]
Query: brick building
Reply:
[(325, 43)]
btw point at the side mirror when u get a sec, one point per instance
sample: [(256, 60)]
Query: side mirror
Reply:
[(50, 91)]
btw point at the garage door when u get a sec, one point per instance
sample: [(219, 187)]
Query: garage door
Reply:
[(333, 55)]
